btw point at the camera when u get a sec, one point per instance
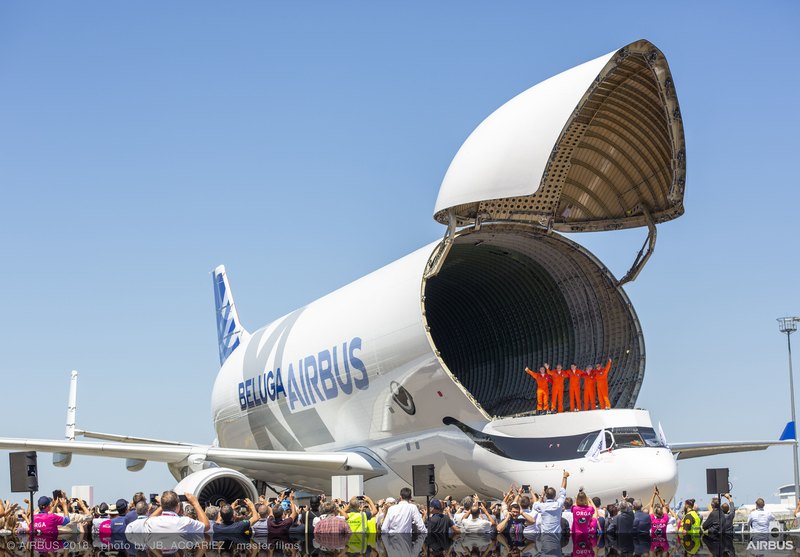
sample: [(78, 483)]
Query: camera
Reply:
[(526, 488), (182, 498)]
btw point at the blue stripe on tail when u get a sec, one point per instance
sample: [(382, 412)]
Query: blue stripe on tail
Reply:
[(229, 329)]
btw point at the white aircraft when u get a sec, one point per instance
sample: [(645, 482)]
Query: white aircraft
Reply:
[(421, 362)]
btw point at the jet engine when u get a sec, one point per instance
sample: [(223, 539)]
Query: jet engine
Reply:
[(212, 485)]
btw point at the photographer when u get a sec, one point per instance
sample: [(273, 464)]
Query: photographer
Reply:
[(166, 520), (46, 522), (357, 516), (550, 508), (278, 523)]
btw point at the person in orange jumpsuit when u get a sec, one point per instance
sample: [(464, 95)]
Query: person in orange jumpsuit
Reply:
[(589, 389), (542, 388), (557, 394), (574, 375), (601, 377)]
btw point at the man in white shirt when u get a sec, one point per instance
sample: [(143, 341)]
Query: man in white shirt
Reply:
[(759, 519), (166, 528), (400, 518), (475, 523)]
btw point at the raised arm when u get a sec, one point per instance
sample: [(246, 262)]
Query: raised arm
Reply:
[(292, 506), (252, 508), (503, 524), (198, 509), (372, 508), (733, 507), (489, 517), (594, 507), (529, 372), (652, 500)]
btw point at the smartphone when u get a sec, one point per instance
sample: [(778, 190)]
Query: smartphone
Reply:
[(153, 500), (272, 500), (526, 488), (360, 497), (302, 508), (624, 493), (182, 498), (545, 488)]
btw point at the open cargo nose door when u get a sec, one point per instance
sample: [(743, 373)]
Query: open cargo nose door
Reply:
[(598, 147)]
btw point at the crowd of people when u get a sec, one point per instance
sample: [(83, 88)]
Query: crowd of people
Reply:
[(550, 388), (523, 521)]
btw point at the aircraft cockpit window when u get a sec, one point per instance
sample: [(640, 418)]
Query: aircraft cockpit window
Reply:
[(624, 438), (650, 437), (631, 437)]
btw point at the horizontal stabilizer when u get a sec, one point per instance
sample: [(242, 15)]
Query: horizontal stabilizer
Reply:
[(683, 451)]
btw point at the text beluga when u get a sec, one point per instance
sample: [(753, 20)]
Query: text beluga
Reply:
[(315, 378)]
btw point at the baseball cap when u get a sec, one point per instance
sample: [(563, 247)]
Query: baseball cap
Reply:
[(391, 500), (436, 504), (122, 505), (44, 501)]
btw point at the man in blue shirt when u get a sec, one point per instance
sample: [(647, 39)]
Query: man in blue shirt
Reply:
[(551, 506)]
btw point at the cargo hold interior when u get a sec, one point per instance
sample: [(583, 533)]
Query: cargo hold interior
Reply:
[(511, 296)]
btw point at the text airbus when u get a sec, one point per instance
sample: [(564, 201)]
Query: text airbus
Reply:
[(316, 378)]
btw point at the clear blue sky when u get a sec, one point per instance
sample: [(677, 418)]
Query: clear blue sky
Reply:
[(303, 144)]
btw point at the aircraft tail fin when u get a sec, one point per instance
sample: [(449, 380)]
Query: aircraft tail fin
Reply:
[(229, 328), (788, 432)]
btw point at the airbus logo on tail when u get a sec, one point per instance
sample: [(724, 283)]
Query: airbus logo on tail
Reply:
[(316, 378)]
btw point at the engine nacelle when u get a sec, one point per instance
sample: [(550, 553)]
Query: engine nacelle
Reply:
[(214, 484)]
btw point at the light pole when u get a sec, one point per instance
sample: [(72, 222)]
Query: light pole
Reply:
[(788, 325)]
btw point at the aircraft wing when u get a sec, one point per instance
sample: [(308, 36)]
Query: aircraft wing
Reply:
[(318, 464), (694, 450)]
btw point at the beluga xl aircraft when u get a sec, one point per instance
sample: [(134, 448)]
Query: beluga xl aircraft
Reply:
[(421, 361)]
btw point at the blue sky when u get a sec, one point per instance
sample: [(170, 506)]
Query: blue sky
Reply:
[(303, 144)]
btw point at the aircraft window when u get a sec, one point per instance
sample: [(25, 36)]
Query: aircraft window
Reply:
[(624, 438), (628, 439), (650, 437), (587, 441)]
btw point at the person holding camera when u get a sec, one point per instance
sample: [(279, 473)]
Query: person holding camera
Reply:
[(360, 510), (551, 506), (46, 522), (279, 522), (168, 520)]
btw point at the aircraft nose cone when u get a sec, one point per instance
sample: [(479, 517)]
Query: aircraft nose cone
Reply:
[(660, 471), (666, 476)]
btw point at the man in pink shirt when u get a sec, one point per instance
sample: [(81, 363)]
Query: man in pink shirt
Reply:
[(46, 523)]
